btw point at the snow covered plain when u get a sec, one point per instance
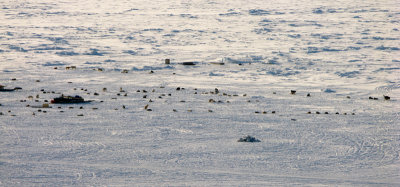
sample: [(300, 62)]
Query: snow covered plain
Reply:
[(341, 52)]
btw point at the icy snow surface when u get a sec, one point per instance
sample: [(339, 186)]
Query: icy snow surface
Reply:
[(340, 52)]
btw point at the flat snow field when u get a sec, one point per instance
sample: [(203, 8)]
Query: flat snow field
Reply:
[(155, 124)]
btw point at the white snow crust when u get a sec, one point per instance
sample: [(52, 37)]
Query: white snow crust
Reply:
[(340, 52)]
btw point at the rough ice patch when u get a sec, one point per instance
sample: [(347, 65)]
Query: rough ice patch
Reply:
[(351, 74), (259, 12), (54, 63), (329, 90)]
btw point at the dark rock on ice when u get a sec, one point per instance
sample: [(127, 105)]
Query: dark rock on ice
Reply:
[(2, 89), (7, 90), (217, 63), (188, 63), (68, 100), (249, 139)]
